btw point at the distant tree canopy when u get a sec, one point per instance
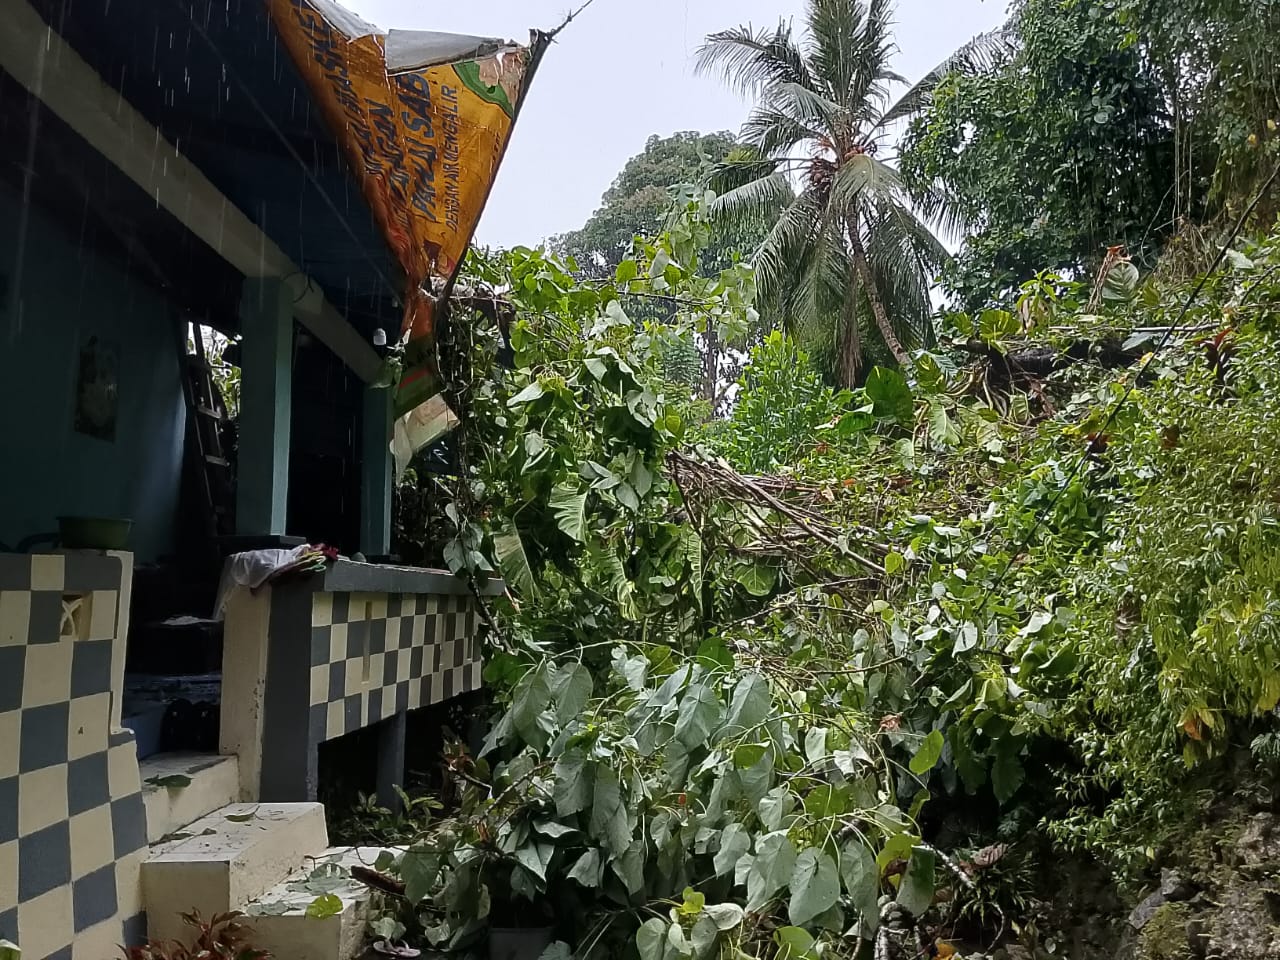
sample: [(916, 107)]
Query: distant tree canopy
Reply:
[(639, 202), (1103, 124)]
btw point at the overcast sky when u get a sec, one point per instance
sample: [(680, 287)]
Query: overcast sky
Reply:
[(623, 71)]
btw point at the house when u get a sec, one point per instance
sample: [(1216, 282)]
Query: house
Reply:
[(165, 170)]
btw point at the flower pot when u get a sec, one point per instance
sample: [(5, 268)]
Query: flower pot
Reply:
[(518, 943)]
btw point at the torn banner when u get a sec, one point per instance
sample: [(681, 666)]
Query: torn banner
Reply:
[(423, 119)]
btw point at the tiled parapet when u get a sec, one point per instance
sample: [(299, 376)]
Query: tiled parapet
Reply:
[(312, 659), (72, 826)]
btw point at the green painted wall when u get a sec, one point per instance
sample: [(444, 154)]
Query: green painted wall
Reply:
[(64, 295)]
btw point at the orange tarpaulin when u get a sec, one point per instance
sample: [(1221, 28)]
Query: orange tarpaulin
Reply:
[(423, 119)]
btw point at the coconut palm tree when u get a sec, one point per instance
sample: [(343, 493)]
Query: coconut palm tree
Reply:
[(849, 250)]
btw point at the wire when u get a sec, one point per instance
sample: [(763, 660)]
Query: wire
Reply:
[(1124, 397)]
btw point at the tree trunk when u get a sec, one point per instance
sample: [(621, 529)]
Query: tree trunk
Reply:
[(709, 388), (849, 343), (869, 287)]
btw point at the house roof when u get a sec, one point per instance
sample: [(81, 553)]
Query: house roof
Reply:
[(214, 80)]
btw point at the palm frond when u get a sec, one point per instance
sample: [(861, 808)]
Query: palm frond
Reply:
[(871, 82), (865, 179), (982, 53), (785, 244), (749, 60), (904, 258), (814, 110), (820, 285), (834, 42), (757, 199), (938, 208), (774, 132)]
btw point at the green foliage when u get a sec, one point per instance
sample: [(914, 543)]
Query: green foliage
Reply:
[(368, 822), (667, 780), (1124, 122), (638, 204), (762, 433), (727, 698), (1057, 150), (223, 937)]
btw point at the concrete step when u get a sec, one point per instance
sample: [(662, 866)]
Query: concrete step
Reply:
[(214, 782), (279, 919), (227, 858)]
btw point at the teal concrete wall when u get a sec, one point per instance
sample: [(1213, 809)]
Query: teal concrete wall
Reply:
[(65, 295)]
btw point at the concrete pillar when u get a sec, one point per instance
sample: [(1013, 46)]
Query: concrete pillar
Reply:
[(391, 738), (266, 382), (376, 474)]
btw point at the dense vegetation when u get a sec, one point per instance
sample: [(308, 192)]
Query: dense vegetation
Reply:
[(855, 664)]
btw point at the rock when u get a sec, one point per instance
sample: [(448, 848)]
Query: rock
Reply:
[(1258, 849), (1143, 912), (1238, 927), (1197, 937), (1175, 887)]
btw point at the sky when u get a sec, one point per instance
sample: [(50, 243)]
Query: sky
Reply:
[(622, 71)]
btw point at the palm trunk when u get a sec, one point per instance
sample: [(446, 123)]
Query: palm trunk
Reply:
[(849, 343), (869, 287)]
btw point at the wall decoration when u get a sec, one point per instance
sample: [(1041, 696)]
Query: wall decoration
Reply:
[(97, 393)]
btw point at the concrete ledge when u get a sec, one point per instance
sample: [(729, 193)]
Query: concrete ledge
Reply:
[(215, 782), (228, 858), (279, 918), (348, 576)]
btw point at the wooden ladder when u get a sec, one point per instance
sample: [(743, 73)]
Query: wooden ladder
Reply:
[(206, 414)]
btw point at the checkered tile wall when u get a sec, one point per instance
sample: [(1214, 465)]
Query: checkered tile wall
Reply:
[(375, 655), (72, 823)]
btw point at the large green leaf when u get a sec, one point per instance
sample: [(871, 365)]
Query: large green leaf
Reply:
[(734, 842), (570, 509), (815, 886), (861, 878), (513, 563), (750, 706), (889, 393), (325, 905), (419, 869), (586, 870), (795, 943), (651, 939), (943, 434), (915, 893), (609, 821), (757, 578), (530, 393), (928, 753), (771, 869), (725, 916), (535, 857), (699, 714), (1007, 772), (571, 782), (532, 696), (571, 686), (775, 806)]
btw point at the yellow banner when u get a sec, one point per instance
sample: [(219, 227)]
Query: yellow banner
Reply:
[(423, 120)]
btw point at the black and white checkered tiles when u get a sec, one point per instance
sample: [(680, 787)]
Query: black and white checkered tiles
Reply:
[(72, 823), (375, 655)]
